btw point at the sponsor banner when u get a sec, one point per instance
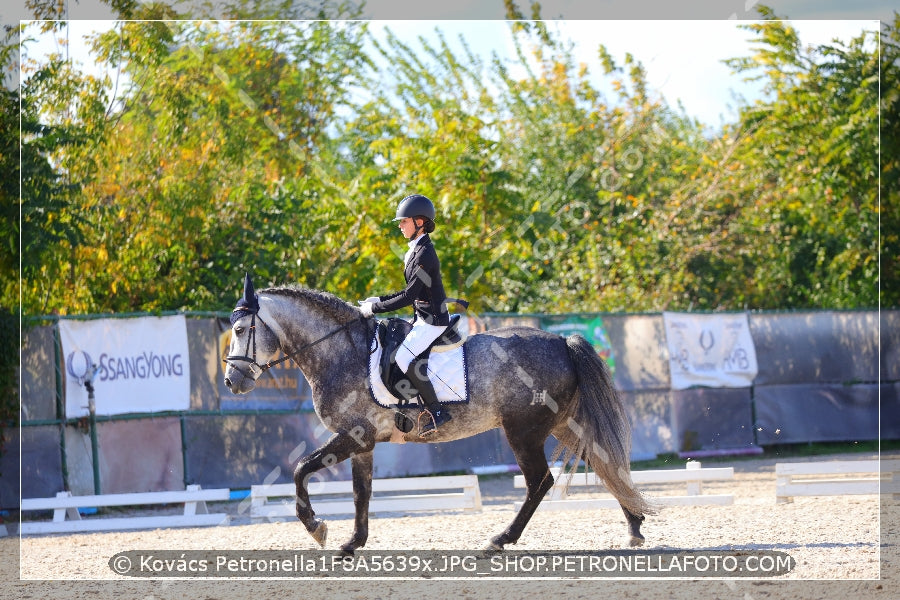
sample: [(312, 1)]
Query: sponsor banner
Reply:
[(710, 350), (138, 365), (591, 327)]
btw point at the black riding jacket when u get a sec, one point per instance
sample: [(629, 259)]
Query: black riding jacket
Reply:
[(424, 288)]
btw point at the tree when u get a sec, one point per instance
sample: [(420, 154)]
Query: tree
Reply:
[(230, 117), (434, 132), (281, 148), (807, 172), (594, 173), (890, 164), (9, 239), (58, 119)]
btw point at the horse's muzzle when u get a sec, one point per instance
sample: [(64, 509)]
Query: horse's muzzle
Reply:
[(238, 382)]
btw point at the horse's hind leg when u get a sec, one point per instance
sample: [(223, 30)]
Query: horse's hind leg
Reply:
[(538, 480), (634, 527)]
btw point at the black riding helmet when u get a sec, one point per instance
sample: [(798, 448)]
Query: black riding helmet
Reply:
[(415, 205), (420, 206)]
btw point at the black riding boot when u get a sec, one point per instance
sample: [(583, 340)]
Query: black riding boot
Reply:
[(418, 374)]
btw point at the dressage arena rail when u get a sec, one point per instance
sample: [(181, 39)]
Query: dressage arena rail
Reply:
[(838, 477), (468, 498), (65, 505), (693, 475)]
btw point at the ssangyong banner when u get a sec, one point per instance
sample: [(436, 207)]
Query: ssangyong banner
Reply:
[(714, 350), (139, 365)]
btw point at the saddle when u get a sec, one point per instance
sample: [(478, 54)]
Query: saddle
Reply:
[(391, 333)]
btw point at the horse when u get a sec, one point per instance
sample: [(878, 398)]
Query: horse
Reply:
[(329, 340)]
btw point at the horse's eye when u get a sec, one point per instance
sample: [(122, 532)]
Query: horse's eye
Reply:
[(238, 330)]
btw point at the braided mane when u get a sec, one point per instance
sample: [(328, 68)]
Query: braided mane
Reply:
[(331, 305)]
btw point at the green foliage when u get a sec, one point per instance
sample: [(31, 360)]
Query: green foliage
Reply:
[(282, 148), (810, 156), (9, 196), (172, 196), (890, 164), (9, 388)]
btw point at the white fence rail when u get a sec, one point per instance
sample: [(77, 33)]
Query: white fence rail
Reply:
[(836, 477), (692, 476), (67, 518), (423, 494)]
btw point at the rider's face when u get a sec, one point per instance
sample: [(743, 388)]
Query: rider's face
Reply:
[(408, 227)]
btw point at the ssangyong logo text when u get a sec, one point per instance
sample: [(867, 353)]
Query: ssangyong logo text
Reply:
[(146, 365)]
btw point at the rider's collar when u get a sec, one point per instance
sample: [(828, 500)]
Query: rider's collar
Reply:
[(412, 243)]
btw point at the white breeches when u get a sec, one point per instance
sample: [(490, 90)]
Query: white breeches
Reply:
[(417, 341)]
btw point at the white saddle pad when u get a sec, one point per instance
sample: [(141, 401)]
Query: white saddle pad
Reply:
[(447, 370)]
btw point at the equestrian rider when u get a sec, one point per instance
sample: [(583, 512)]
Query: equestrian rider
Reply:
[(425, 292)]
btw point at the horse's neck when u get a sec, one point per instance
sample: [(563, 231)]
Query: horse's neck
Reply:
[(272, 311), (303, 331)]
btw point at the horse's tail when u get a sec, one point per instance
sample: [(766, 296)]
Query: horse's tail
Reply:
[(597, 429)]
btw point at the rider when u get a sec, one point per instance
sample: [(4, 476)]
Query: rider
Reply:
[(425, 292)]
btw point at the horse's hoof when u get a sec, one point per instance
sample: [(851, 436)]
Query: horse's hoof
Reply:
[(348, 550), (636, 541), (320, 533), (492, 547)]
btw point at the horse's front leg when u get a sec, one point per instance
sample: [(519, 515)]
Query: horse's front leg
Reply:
[(362, 492), (338, 448)]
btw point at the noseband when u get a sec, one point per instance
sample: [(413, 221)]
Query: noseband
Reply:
[(256, 369)]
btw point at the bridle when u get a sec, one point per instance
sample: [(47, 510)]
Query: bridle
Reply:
[(256, 369)]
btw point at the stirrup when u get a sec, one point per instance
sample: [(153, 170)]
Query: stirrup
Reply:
[(431, 423), (425, 430)]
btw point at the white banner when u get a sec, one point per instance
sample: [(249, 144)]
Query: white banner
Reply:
[(142, 364), (710, 350)]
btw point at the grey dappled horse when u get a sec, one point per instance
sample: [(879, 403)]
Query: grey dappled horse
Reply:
[(508, 368)]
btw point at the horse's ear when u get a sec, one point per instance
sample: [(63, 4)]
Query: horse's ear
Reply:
[(249, 301), (248, 304)]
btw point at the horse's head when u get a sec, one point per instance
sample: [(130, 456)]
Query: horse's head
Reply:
[(254, 342)]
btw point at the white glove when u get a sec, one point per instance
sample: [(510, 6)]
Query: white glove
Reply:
[(366, 308), (372, 299)]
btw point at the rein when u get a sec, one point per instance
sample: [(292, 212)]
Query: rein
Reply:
[(256, 369)]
